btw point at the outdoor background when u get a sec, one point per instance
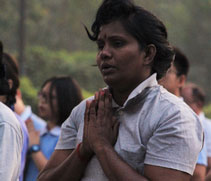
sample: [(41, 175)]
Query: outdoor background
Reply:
[(48, 38)]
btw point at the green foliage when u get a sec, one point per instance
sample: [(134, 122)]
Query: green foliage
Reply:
[(207, 111), (43, 63), (8, 24), (86, 94), (29, 92)]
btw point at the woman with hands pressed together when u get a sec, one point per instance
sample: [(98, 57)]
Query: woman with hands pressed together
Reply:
[(133, 129), (100, 126)]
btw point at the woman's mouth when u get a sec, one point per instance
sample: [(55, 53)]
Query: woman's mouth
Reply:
[(107, 69)]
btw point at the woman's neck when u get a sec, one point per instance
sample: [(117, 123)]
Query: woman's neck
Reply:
[(121, 92), (50, 125), (120, 96)]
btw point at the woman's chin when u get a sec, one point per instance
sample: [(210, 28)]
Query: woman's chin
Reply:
[(110, 82)]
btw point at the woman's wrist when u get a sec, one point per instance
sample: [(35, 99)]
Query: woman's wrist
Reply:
[(101, 145), (83, 154), (34, 148)]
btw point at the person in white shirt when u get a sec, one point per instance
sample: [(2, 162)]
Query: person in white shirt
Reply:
[(11, 143), (133, 129), (194, 96)]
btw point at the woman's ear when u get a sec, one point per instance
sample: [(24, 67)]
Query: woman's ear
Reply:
[(19, 94), (182, 79), (10, 82), (150, 52)]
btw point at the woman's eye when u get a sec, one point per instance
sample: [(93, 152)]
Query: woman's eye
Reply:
[(100, 45), (118, 43)]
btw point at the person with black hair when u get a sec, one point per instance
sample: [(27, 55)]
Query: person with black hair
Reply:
[(11, 135), (176, 75), (57, 97), (12, 77), (133, 129)]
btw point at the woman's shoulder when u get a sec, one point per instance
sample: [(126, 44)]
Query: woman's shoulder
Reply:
[(82, 105), (77, 114)]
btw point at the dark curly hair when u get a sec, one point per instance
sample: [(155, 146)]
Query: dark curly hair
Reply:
[(141, 24), (12, 72)]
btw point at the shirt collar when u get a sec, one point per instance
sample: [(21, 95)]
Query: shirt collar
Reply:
[(149, 82), (55, 131), (201, 116), (26, 113), (181, 98)]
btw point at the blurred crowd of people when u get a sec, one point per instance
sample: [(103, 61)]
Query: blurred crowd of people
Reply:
[(148, 124)]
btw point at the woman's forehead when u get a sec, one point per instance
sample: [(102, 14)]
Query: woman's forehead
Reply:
[(48, 88), (114, 28)]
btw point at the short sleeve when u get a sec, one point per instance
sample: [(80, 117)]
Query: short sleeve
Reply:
[(11, 142), (70, 128), (176, 141)]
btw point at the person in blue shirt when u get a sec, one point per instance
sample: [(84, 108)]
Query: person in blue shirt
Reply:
[(56, 99)]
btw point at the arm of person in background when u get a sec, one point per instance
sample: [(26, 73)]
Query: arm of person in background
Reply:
[(34, 139), (102, 134), (208, 177), (199, 173), (208, 143), (208, 164), (201, 165)]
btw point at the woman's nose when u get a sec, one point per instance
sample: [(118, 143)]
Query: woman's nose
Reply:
[(105, 53)]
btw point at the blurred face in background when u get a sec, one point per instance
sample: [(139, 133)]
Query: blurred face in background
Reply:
[(170, 81), (44, 106), (189, 99)]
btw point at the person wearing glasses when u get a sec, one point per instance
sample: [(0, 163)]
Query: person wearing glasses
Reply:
[(56, 99)]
